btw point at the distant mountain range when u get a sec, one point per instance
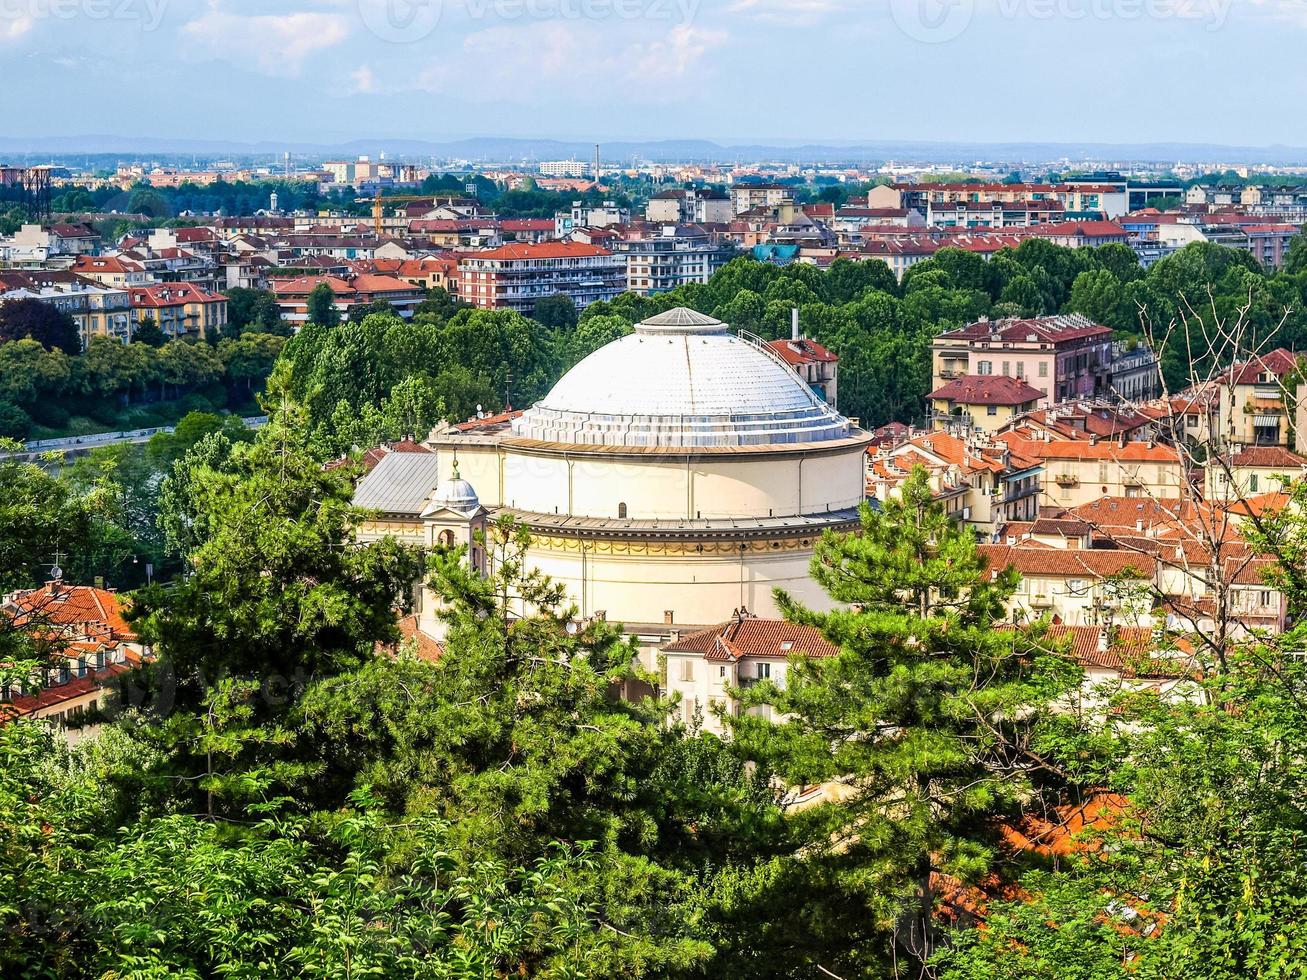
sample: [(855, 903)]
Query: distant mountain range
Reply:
[(506, 149)]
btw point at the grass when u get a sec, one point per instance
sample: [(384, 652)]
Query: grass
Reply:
[(150, 416)]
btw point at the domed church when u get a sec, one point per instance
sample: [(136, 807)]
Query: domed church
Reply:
[(670, 478)]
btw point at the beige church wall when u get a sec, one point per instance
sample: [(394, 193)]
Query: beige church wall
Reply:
[(697, 591), (666, 488), (479, 465)]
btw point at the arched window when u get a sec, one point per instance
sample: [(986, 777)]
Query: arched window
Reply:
[(446, 539), (621, 512)]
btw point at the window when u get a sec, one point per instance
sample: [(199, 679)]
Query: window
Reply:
[(1043, 369), (687, 670), (1264, 599), (621, 512), (764, 671), (985, 367), (446, 539), (1252, 483), (721, 671), (991, 410)]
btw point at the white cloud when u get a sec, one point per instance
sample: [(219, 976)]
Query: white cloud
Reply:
[(277, 44), (14, 26), (675, 55), (365, 80), (788, 11)]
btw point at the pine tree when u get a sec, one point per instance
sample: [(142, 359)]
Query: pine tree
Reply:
[(923, 726)]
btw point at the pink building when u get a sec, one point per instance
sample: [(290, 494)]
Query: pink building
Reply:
[(1065, 357)]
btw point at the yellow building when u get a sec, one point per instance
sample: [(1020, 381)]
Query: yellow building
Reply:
[(987, 402)]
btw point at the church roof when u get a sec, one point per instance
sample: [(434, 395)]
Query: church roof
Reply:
[(682, 380), (401, 483)]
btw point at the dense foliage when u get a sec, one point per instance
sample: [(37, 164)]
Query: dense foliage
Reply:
[(291, 791)]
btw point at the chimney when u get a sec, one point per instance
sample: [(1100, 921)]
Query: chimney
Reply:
[(794, 324), (1102, 640)]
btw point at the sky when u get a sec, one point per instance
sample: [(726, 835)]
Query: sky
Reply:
[(1212, 71)]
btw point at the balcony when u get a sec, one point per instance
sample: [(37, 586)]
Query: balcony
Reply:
[(1041, 601), (1067, 480)]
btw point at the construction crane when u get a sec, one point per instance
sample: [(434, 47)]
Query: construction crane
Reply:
[(379, 204)]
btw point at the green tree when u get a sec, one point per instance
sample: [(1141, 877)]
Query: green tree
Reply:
[(275, 590), (322, 306), (557, 312), (926, 719), (43, 322)]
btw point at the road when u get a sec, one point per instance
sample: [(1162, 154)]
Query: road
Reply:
[(82, 443)]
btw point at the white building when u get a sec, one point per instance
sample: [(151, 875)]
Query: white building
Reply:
[(705, 668), (673, 476)]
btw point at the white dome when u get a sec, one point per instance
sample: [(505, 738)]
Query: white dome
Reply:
[(682, 380)]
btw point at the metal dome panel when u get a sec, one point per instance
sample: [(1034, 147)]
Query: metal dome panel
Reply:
[(682, 380)]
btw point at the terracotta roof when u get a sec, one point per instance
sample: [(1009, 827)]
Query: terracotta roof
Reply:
[(747, 636), (1081, 229), (1079, 449), (987, 389), (426, 646), (172, 294), (492, 422), (64, 605), (54, 695), (1064, 834), (1067, 562), (1278, 362), (1266, 503), (1268, 457), (802, 351), (1044, 329), (519, 251)]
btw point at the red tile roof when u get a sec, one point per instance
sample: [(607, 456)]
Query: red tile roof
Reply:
[(1081, 450), (1045, 329), (802, 351), (1067, 562), (59, 604), (747, 636), (987, 389), (172, 294), (1278, 362), (1268, 457), (519, 251)]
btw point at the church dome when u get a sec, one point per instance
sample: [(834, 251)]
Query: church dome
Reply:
[(455, 494), (682, 380)]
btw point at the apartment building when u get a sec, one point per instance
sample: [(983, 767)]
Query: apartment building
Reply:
[(1255, 405), (979, 481), (584, 215), (747, 197), (1065, 357), (97, 310), (180, 309), (35, 246), (350, 292), (690, 206), (516, 277), (1079, 471), (659, 263), (987, 402)]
